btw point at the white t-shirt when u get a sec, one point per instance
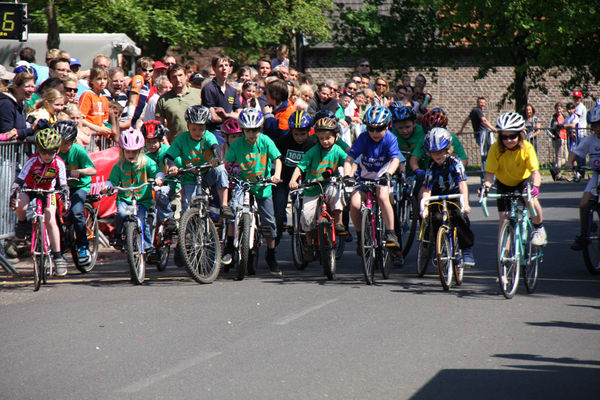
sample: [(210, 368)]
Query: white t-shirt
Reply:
[(590, 145), (581, 112)]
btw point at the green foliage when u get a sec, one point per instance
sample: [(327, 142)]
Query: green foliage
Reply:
[(243, 27)]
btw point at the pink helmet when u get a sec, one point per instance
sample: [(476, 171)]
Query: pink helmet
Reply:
[(131, 139), (231, 126)]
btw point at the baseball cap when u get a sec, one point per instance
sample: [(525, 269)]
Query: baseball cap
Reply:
[(4, 74), (159, 65), (577, 93), (74, 61), (196, 78)]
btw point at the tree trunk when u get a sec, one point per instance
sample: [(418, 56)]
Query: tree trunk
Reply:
[(521, 88), (53, 40)]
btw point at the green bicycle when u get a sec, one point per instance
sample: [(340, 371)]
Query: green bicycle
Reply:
[(514, 244)]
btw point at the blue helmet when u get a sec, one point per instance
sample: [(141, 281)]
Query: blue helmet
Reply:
[(401, 113), (24, 66), (437, 139), (251, 118), (377, 117), (300, 120)]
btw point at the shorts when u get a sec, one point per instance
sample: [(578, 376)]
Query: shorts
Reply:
[(592, 184), (310, 209), (504, 204)]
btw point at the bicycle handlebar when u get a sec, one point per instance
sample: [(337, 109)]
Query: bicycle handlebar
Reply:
[(525, 196), (132, 188), (426, 200)]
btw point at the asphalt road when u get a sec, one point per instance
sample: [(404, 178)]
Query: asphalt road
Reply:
[(301, 337)]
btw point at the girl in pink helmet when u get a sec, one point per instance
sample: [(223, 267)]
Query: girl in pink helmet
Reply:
[(133, 168)]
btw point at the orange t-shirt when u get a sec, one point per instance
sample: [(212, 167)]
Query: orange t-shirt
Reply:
[(94, 108)]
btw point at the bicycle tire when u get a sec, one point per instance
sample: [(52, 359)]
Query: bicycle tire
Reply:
[(91, 223), (327, 250), (530, 272), (508, 260), (368, 249), (38, 258), (298, 242), (406, 222), (255, 250), (383, 257), (458, 263), (200, 247), (340, 246), (425, 249), (135, 253), (443, 253), (244, 247), (591, 248), (163, 248)]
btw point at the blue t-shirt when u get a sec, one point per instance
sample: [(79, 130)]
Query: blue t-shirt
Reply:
[(444, 179), (375, 156), (212, 96)]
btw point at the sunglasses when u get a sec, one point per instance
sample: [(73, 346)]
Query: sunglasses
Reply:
[(364, 65), (48, 152), (380, 129), (380, 84), (147, 70), (510, 137), (70, 90), (357, 81)]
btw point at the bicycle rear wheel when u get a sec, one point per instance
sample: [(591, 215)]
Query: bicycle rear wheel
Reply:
[(407, 216), (200, 246), (443, 252), (368, 246), (326, 249), (425, 249), (39, 257), (591, 248), (508, 260), (458, 263), (91, 222), (244, 247), (298, 241), (530, 272), (135, 253), (163, 248)]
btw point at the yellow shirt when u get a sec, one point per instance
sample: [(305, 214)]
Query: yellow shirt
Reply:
[(512, 166)]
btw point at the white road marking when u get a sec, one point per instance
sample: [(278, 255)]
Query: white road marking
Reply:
[(152, 379), (292, 317)]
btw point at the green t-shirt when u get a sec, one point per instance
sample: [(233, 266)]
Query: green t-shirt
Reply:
[(316, 161), (78, 158), (255, 161), (127, 175), (423, 156), (196, 152), (342, 144), (158, 158), (409, 145)]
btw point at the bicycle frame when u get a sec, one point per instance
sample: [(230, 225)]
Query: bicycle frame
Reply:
[(39, 218), (371, 203)]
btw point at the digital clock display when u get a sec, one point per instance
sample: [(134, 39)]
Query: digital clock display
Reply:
[(11, 21)]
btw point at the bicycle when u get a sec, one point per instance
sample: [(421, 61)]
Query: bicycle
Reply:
[(448, 255), (41, 251), (405, 211), (246, 228), (67, 231), (198, 241), (375, 253), (514, 243), (161, 240), (133, 230), (326, 239), (298, 236)]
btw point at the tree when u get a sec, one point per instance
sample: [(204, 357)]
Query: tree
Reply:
[(243, 28)]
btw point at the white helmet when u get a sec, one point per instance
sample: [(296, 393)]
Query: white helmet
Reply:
[(437, 139), (593, 115), (510, 121)]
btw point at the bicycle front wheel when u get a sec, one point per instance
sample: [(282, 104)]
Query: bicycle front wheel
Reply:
[(244, 247), (530, 272), (591, 249), (135, 253), (443, 252), (508, 260), (39, 257), (458, 262), (368, 246), (425, 249), (407, 216), (200, 246), (327, 250), (91, 228)]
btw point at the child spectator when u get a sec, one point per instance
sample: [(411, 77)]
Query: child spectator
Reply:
[(318, 163), (446, 175), (140, 89), (80, 166), (248, 95), (133, 169), (83, 133), (43, 171), (49, 106), (254, 153), (276, 124), (282, 57), (93, 105), (558, 135)]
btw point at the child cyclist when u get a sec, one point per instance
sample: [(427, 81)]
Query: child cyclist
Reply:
[(198, 146), (379, 158), (154, 133), (446, 175), (80, 166), (254, 152), (589, 145), (318, 162), (44, 170), (512, 160), (133, 169)]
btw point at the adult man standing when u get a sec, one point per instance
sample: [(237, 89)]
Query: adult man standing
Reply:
[(219, 97), (60, 67), (481, 126), (43, 72), (264, 68), (322, 101), (171, 106)]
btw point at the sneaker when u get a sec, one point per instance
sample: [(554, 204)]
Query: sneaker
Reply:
[(227, 212), (11, 250), (273, 267), (539, 237), (468, 259), (578, 243), (391, 240), (340, 229), (117, 243), (308, 253), (61, 265), (398, 258), (21, 230), (83, 256)]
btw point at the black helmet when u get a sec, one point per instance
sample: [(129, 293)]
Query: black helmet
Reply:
[(67, 130)]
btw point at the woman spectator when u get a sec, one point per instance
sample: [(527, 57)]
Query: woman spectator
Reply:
[(381, 88), (49, 106), (558, 134), (12, 106), (532, 125), (70, 88)]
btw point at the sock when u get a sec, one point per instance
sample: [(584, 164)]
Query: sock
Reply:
[(389, 232), (56, 254), (357, 236), (538, 226)]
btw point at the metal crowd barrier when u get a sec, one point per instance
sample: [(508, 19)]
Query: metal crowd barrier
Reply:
[(98, 142)]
